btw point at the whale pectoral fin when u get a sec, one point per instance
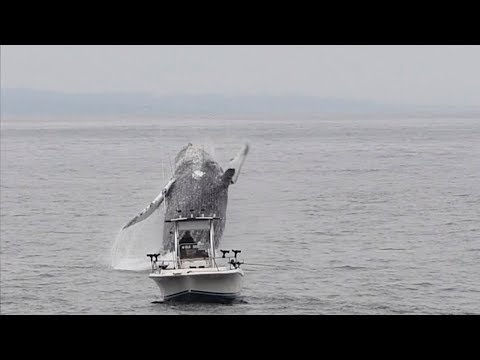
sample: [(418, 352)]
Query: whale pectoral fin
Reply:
[(233, 170), (150, 209), (228, 176)]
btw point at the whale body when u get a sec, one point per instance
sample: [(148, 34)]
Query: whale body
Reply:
[(199, 186)]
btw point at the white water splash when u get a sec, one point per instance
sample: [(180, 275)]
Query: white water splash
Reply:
[(131, 246)]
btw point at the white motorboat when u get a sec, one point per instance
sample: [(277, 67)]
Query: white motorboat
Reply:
[(195, 273)]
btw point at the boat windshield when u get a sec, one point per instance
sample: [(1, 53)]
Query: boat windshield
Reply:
[(193, 251)]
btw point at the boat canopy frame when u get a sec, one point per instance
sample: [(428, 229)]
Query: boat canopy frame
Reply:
[(193, 223)]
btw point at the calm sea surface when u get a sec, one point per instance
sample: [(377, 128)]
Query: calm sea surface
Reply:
[(334, 215)]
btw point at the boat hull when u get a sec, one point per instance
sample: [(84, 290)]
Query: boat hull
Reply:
[(207, 285)]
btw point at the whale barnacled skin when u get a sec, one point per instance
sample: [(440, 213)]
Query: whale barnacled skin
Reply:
[(198, 187), (199, 184)]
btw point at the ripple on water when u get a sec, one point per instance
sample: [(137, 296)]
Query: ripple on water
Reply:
[(352, 224)]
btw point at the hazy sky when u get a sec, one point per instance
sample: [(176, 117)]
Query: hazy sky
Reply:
[(424, 75)]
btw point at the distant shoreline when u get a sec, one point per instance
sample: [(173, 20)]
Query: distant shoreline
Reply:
[(18, 103), (6, 118)]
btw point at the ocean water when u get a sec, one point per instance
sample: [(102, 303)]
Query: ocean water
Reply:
[(334, 214)]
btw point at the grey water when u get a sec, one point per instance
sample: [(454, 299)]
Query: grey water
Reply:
[(334, 214)]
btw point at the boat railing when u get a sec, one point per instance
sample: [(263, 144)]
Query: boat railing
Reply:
[(230, 260)]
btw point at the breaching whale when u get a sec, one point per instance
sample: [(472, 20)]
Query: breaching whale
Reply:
[(198, 186)]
